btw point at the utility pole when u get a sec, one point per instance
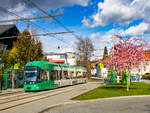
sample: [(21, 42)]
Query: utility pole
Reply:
[(113, 44), (113, 50)]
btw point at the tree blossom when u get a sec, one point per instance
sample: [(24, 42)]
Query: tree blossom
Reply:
[(127, 54)]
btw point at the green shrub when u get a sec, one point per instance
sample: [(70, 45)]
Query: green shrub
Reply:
[(137, 74)]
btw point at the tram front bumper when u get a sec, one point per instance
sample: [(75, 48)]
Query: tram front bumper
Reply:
[(31, 87)]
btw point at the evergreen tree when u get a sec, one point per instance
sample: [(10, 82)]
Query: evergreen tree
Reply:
[(105, 52), (25, 49)]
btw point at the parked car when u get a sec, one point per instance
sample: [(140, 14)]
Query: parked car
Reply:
[(146, 76)]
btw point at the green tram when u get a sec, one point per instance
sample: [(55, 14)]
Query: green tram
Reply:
[(44, 75)]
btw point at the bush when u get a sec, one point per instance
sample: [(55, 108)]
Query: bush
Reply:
[(146, 76), (137, 74)]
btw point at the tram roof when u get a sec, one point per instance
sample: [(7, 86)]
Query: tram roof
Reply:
[(50, 65)]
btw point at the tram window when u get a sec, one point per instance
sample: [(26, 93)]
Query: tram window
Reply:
[(38, 76), (67, 76), (61, 74), (64, 74), (72, 74), (84, 74), (55, 75), (43, 75), (77, 74), (80, 74), (51, 75)]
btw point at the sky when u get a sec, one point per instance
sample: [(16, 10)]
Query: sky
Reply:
[(97, 19)]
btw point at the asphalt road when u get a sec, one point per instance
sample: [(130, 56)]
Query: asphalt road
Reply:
[(39, 105), (57, 103), (114, 105)]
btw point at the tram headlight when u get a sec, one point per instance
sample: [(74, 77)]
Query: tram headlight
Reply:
[(33, 82)]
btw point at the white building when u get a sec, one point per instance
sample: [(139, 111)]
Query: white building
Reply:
[(143, 69), (65, 56)]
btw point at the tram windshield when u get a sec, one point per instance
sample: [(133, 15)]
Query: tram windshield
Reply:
[(31, 74)]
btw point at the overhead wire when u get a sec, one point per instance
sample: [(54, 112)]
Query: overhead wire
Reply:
[(43, 34), (24, 19), (5, 10), (60, 23), (12, 13)]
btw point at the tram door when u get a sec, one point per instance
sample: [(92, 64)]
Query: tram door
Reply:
[(59, 74)]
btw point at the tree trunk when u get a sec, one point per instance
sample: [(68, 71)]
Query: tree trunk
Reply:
[(128, 80), (88, 69)]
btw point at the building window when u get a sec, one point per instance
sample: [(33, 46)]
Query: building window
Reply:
[(62, 56), (3, 47), (139, 70), (144, 68)]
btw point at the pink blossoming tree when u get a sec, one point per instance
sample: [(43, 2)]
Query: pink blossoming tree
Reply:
[(127, 54)]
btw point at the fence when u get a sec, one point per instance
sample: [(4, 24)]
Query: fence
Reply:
[(14, 78), (111, 77), (135, 78)]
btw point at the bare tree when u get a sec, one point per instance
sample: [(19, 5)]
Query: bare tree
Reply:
[(84, 50)]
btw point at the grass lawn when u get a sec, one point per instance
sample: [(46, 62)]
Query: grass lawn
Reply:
[(114, 90)]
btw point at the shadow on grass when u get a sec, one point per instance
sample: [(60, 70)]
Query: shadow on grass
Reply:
[(119, 87), (114, 87)]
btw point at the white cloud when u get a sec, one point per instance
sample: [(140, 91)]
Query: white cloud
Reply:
[(19, 7), (43, 3), (95, 35), (86, 21), (137, 30), (102, 40), (120, 12), (50, 44), (24, 8)]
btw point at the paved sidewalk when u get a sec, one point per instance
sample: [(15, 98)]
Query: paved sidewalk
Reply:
[(9, 91), (39, 105), (132, 104)]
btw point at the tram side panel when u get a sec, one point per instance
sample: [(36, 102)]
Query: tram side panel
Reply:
[(54, 79)]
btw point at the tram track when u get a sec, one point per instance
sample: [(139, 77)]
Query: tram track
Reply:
[(27, 95), (20, 97), (12, 96), (13, 102)]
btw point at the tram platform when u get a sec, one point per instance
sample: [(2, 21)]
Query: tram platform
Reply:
[(11, 91)]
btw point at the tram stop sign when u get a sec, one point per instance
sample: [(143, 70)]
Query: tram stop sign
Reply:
[(101, 66), (16, 66)]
